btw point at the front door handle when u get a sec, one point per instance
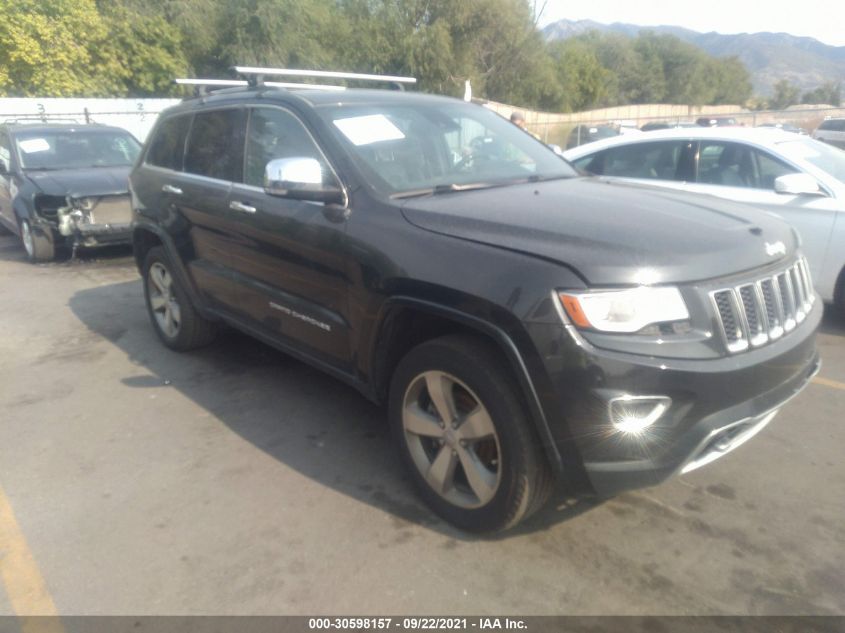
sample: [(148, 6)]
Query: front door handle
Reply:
[(172, 189), (234, 205)]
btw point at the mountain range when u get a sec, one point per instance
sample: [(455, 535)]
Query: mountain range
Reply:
[(769, 57)]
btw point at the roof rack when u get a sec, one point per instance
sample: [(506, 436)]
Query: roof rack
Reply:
[(203, 86), (294, 85), (257, 76), (40, 118)]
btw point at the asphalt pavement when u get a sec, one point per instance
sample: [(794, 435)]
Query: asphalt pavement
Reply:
[(236, 480)]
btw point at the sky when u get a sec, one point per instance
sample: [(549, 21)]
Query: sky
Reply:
[(821, 19)]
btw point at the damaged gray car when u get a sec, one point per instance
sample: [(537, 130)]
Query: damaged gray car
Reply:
[(65, 185)]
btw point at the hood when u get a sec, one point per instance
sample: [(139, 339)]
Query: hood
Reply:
[(97, 181), (610, 232)]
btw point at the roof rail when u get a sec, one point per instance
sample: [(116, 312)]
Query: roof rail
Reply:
[(40, 118), (258, 73), (288, 84), (203, 86)]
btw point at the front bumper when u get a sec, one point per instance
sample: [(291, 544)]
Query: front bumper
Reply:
[(717, 405), (103, 234)]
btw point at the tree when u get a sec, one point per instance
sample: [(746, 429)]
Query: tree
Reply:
[(583, 80), (786, 94), (44, 45), (829, 93), (142, 51)]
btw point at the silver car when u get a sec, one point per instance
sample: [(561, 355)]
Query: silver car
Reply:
[(794, 177)]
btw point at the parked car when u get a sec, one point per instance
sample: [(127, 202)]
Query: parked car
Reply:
[(583, 134), (786, 127), (666, 125), (64, 185), (831, 131), (794, 177), (716, 121), (525, 327)]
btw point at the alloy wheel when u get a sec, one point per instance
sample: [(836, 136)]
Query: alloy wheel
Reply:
[(452, 439), (163, 302)]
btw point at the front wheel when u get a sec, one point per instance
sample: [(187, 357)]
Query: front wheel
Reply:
[(464, 435), (38, 248)]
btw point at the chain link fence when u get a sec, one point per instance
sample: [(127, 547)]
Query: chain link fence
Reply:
[(135, 115), (571, 129)]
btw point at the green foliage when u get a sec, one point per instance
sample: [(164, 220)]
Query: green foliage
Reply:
[(44, 47), (786, 94), (829, 93), (136, 47)]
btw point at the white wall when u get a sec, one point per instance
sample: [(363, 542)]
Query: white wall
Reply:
[(135, 115)]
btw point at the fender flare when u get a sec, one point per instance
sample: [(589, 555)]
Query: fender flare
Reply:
[(179, 268), (505, 344)]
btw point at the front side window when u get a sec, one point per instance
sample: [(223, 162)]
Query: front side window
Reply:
[(273, 133), (76, 148), (216, 144), (737, 165), (414, 147), (167, 147), (768, 168)]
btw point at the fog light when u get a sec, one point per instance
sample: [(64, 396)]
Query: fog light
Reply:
[(634, 414)]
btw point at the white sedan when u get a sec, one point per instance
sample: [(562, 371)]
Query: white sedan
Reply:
[(792, 176)]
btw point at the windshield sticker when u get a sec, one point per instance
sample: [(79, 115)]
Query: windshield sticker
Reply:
[(374, 128), (33, 145)]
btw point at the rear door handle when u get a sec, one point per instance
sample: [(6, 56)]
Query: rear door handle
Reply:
[(172, 189), (234, 205)]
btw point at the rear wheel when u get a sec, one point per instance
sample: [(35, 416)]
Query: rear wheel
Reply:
[(465, 437), (174, 318), (38, 248)]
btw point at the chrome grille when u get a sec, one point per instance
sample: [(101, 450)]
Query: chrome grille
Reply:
[(756, 312)]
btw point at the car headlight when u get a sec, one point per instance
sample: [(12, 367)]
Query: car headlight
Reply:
[(627, 311)]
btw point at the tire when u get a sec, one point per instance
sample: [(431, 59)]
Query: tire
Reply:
[(481, 473), (174, 318), (38, 248)]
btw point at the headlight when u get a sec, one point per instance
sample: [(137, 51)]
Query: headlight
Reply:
[(628, 310)]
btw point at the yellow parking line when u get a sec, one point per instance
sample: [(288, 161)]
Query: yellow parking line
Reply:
[(21, 578), (827, 382)]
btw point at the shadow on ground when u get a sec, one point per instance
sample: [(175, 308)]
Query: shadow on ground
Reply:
[(300, 416)]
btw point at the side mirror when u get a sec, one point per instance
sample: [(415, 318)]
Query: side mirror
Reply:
[(798, 185), (556, 149), (302, 178)]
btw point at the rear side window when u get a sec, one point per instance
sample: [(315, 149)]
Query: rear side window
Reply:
[(658, 161), (644, 160), (834, 125), (216, 144), (169, 143)]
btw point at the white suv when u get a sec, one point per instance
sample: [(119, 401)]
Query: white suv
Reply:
[(831, 131)]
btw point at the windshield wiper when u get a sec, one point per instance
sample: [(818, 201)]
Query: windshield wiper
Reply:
[(449, 188)]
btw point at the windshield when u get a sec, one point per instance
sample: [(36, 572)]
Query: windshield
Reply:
[(441, 146), (826, 157), (75, 148)]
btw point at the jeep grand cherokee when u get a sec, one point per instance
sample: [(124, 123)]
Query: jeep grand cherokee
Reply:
[(526, 327)]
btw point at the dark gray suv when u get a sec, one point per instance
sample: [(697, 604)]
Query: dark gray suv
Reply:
[(526, 327), (64, 185)]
